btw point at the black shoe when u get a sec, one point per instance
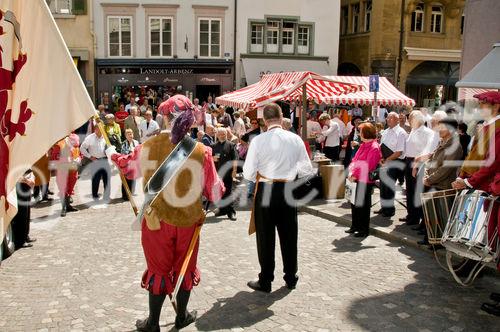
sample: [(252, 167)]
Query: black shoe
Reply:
[(143, 326), (220, 213), (291, 286), (30, 239), (46, 199), (495, 297), (379, 211), (388, 215), (403, 219), (256, 285), (411, 222), (360, 234), (50, 192), (232, 216), (27, 245), (69, 207), (492, 309), (350, 231), (189, 319)]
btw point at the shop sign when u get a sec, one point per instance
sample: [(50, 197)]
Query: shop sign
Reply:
[(166, 71), (170, 80), (208, 80)]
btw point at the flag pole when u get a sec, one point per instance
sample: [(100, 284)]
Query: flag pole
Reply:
[(122, 176)]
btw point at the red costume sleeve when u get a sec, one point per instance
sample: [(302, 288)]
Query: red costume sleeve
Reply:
[(129, 164), (213, 187), (484, 176)]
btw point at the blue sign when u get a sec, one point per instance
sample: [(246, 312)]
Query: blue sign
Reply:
[(374, 83)]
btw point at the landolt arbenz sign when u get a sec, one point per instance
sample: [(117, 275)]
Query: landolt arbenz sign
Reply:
[(166, 71)]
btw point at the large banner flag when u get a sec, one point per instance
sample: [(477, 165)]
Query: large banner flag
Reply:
[(42, 97)]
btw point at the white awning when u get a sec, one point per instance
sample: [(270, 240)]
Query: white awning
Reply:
[(256, 68), (486, 74)]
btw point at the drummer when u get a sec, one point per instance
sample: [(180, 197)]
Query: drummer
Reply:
[(481, 167), (441, 169)]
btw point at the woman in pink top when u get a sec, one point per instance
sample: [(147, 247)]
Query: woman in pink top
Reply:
[(364, 162)]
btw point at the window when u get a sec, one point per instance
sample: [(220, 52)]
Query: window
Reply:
[(417, 18), (257, 38), (344, 19), (160, 36), (273, 29), (60, 6), (355, 18), (209, 38), (287, 39), (368, 15), (119, 36), (436, 19), (303, 40), (462, 24)]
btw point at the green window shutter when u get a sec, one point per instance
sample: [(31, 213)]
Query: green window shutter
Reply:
[(79, 7)]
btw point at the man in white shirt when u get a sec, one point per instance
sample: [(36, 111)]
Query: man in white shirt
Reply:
[(93, 148), (274, 158), (342, 127), (239, 125), (331, 133), (313, 127), (132, 103), (419, 142), (392, 144), (148, 127)]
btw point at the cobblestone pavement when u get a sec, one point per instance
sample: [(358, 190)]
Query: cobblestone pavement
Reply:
[(83, 273)]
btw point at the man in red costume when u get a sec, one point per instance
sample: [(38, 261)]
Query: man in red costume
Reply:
[(66, 155), (481, 169), (169, 224)]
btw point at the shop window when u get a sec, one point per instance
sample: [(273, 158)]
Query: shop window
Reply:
[(257, 38), (303, 40), (119, 36), (355, 18), (60, 6), (209, 38), (437, 19), (417, 18), (344, 20), (160, 36), (273, 29), (288, 38), (368, 15)]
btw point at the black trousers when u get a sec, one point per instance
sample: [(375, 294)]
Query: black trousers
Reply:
[(332, 152), (43, 189), (388, 176), (361, 210), (100, 170), (273, 213), (414, 187), (131, 186), (228, 206), (21, 221)]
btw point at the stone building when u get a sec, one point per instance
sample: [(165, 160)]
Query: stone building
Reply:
[(74, 19), (417, 44)]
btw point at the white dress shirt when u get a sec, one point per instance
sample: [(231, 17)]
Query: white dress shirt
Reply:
[(331, 134), (395, 139), (93, 146), (342, 127), (146, 130), (277, 154), (419, 142), (239, 127)]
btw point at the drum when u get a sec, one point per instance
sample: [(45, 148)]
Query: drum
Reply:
[(437, 206), (466, 233)]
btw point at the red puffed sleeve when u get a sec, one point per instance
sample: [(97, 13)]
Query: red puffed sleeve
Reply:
[(213, 187), (129, 164)]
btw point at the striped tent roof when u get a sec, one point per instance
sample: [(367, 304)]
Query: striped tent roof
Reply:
[(388, 94), (286, 86), (468, 93)]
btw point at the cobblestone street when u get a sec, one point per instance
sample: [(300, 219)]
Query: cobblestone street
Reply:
[(84, 273)]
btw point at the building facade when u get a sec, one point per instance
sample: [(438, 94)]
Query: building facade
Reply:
[(416, 44), (74, 19), (290, 35), (164, 46)]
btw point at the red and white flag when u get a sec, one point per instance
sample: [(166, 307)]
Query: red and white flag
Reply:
[(42, 97)]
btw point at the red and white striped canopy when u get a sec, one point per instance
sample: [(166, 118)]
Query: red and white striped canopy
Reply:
[(388, 94), (468, 93), (286, 86)]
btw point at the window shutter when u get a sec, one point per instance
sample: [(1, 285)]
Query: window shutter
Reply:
[(79, 7)]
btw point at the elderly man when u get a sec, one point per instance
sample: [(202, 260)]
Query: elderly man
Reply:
[(149, 127), (419, 143), (226, 161), (239, 125), (133, 121), (393, 143), (93, 148), (224, 118), (209, 137)]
